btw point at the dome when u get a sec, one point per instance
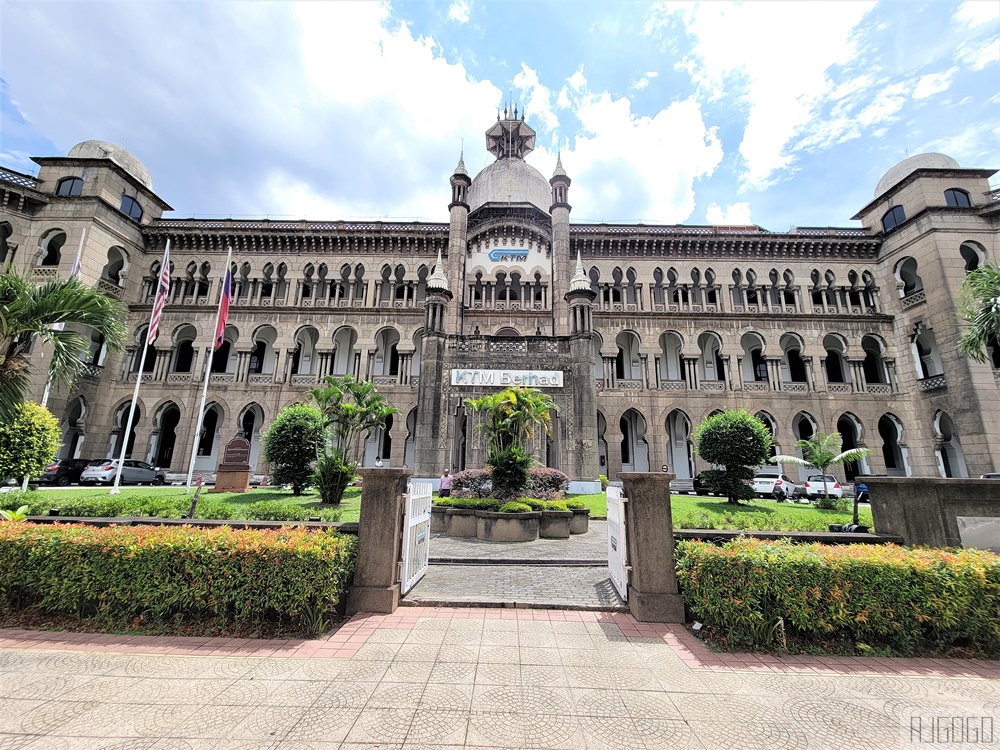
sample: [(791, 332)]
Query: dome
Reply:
[(510, 180), (911, 165), (121, 157)]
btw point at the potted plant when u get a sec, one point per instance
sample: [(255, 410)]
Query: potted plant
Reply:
[(511, 522)]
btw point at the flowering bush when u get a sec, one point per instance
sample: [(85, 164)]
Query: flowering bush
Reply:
[(911, 600), (118, 573)]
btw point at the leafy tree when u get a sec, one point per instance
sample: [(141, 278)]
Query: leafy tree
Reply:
[(981, 303), (737, 441), (349, 408), (290, 445), (30, 312), (822, 452), (29, 441), (511, 416)]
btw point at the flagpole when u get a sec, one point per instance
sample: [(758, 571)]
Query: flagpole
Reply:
[(208, 365), (138, 381)]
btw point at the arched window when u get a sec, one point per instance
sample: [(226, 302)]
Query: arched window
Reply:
[(956, 198), (972, 255), (72, 186), (893, 218), (131, 208)]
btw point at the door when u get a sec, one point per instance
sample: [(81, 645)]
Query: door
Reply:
[(415, 552)]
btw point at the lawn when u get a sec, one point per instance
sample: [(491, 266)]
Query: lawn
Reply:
[(689, 512)]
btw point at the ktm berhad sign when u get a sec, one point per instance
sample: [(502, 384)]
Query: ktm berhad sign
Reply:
[(504, 378)]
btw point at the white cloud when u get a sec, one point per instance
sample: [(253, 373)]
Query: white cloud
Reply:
[(735, 214), (889, 102), (933, 83), (974, 13), (643, 82), (577, 81), (539, 102), (979, 53), (759, 50), (459, 11)]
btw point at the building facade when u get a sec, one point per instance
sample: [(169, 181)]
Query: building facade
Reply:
[(638, 332)]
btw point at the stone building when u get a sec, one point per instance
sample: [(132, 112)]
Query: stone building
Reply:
[(638, 332)]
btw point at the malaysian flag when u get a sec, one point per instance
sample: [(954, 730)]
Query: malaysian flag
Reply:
[(162, 290), (227, 295)]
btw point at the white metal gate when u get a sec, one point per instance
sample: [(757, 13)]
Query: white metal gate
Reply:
[(617, 556), (416, 533)]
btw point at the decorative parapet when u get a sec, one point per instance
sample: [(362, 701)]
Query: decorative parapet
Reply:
[(18, 178), (629, 384), (217, 378), (754, 386), (110, 288), (839, 388), (673, 385), (179, 377), (44, 273), (385, 379), (933, 383), (261, 378), (92, 371), (795, 387), (713, 385), (912, 300), (880, 389), (303, 380)]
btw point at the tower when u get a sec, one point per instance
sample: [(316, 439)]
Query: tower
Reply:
[(583, 447), (458, 230), (431, 451), (561, 263)]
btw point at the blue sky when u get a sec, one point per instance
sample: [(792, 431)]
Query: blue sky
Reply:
[(773, 113)]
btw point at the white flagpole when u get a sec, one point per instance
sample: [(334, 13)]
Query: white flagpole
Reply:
[(138, 381), (208, 365), (77, 268)]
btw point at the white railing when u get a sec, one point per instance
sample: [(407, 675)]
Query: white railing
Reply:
[(416, 534)]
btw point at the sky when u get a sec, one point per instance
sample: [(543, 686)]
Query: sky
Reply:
[(778, 114)]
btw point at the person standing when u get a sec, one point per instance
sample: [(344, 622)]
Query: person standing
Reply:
[(444, 489)]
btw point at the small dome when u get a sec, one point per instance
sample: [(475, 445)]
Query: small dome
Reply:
[(121, 157), (911, 165), (510, 180)]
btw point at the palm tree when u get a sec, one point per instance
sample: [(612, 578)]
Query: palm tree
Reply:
[(512, 415), (981, 303), (30, 313), (822, 452)]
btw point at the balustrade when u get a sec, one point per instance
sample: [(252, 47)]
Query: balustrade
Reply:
[(673, 385), (933, 383), (713, 385), (912, 300)]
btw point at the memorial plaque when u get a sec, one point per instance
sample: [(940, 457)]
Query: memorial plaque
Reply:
[(233, 474), (237, 452)]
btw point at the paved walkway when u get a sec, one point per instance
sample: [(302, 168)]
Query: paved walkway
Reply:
[(590, 549), (473, 678)]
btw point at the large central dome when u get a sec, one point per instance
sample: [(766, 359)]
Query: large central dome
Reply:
[(510, 180)]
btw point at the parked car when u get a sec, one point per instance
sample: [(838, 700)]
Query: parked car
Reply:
[(814, 486), (778, 486), (698, 485), (63, 471), (991, 475), (133, 472)]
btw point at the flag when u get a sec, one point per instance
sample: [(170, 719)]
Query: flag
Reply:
[(75, 271), (162, 290), (78, 261), (227, 295)]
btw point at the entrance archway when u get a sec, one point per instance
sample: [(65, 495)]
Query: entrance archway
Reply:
[(890, 429), (951, 457), (851, 434), (635, 450), (75, 431), (678, 444), (166, 422)]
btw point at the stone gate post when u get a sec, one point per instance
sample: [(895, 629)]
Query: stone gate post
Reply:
[(653, 595), (376, 572)]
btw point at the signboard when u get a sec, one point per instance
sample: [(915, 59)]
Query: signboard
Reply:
[(498, 255), (237, 451), (504, 378)]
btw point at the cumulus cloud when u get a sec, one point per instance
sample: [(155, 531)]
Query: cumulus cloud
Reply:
[(539, 97), (459, 11), (933, 83), (974, 13), (735, 214), (979, 53), (577, 81)]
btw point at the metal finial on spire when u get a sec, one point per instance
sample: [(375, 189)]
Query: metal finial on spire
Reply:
[(579, 282), (460, 169), (437, 279), (560, 172)]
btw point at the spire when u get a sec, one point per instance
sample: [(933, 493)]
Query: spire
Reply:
[(560, 172), (460, 169), (438, 281), (579, 282)]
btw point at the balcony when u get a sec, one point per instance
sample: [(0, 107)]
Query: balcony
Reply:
[(110, 288), (914, 299), (933, 383), (260, 378), (792, 387), (879, 389), (44, 273), (762, 385), (673, 385), (179, 377), (713, 385), (218, 378), (305, 379), (629, 384), (839, 388)]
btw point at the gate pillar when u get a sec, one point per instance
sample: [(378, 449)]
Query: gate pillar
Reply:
[(653, 595), (376, 571)]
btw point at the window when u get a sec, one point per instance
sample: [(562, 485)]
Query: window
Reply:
[(131, 208), (73, 186), (893, 218), (957, 198)]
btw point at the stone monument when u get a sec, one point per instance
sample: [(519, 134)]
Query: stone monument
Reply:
[(233, 474)]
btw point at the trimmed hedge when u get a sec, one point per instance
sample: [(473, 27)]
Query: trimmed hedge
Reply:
[(116, 574), (910, 600), (515, 507)]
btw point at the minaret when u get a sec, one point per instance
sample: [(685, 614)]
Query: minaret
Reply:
[(582, 454), (561, 259), (458, 231), (430, 444)]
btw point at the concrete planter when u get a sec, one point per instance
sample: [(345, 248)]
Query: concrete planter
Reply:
[(581, 521), (555, 524), (460, 522), (438, 518), (507, 527)]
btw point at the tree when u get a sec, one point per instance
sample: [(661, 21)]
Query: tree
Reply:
[(737, 441), (511, 416), (290, 445), (30, 312), (29, 441), (823, 452), (981, 307), (349, 408)]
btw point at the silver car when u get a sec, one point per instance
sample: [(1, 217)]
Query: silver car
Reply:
[(778, 486), (133, 472)]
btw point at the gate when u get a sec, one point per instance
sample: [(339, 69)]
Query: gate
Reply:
[(416, 534), (617, 559)]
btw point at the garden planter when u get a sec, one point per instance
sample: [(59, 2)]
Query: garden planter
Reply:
[(438, 518), (507, 527), (555, 524), (460, 522), (581, 521)]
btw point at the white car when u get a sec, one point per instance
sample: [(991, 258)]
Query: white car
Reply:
[(778, 486), (814, 486), (133, 472)]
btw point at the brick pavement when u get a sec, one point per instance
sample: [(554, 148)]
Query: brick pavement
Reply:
[(473, 678)]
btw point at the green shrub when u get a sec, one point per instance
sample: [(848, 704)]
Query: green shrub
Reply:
[(515, 507), (556, 505), (574, 504), (290, 444), (532, 502), (475, 503), (510, 471), (275, 510), (604, 481), (832, 503), (910, 600), (120, 573), (29, 441)]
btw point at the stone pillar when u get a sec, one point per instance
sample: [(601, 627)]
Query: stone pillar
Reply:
[(653, 595), (376, 572)]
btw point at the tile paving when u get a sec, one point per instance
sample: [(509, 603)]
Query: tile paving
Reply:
[(470, 678)]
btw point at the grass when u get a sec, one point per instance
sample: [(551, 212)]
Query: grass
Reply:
[(689, 512)]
